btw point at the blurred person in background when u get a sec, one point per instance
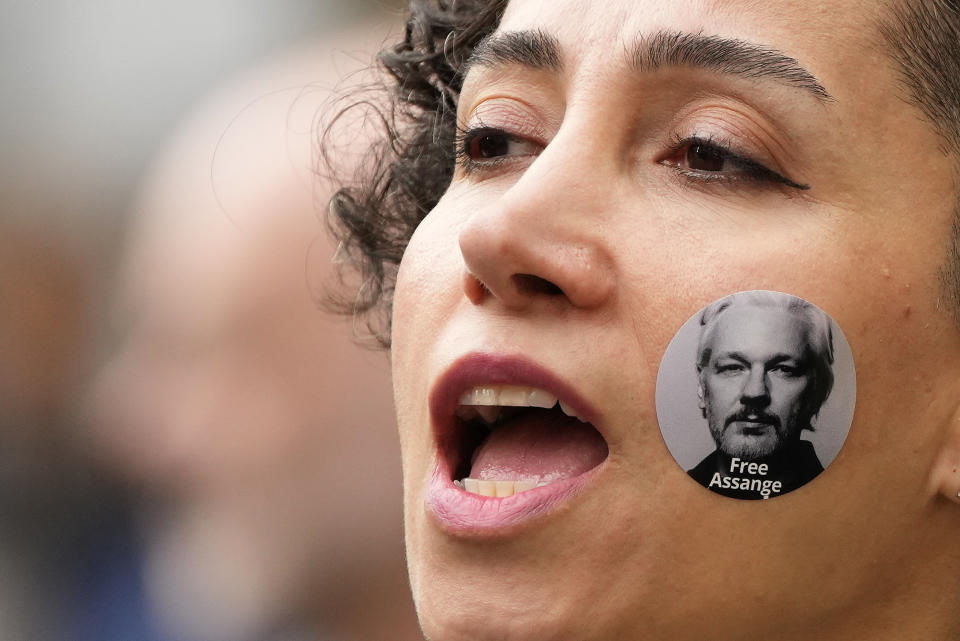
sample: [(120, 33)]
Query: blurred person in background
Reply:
[(259, 437), (51, 503)]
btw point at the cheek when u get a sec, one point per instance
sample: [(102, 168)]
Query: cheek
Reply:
[(430, 279), (791, 390), (427, 291), (723, 391), (424, 281), (411, 319)]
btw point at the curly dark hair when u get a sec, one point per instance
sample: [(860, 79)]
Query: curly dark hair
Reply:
[(410, 167)]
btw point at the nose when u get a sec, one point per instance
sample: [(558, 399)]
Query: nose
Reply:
[(755, 391), (541, 239)]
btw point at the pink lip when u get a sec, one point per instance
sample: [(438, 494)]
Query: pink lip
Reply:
[(461, 512)]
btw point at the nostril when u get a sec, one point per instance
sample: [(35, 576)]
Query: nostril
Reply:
[(530, 284)]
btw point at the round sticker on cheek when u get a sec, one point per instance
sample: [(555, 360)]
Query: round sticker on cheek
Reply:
[(755, 394)]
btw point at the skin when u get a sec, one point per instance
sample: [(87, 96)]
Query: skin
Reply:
[(591, 203), (757, 364)]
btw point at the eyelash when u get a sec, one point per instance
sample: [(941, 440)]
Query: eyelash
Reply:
[(749, 170), (466, 138)]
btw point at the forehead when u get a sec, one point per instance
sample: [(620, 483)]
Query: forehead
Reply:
[(758, 332), (827, 39), (610, 17)]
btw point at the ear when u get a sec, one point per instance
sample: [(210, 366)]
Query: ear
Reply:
[(701, 404), (945, 475)]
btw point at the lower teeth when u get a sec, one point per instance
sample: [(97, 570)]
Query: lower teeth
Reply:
[(496, 488)]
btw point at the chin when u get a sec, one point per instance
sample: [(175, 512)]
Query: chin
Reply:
[(509, 615), (749, 447), (470, 590)]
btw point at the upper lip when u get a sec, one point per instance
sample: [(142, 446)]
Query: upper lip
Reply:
[(490, 369)]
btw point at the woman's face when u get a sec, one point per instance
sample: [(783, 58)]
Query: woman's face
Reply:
[(604, 194)]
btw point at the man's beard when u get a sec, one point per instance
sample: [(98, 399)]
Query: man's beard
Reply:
[(750, 443)]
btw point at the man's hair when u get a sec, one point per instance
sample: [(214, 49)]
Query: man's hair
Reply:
[(818, 336), (923, 37), (410, 167)]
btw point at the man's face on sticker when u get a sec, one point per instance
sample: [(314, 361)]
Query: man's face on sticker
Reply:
[(755, 384), (621, 164)]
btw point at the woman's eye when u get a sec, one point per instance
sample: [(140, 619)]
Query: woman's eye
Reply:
[(708, 161), (486, 146), (706, 158), (489, 145)]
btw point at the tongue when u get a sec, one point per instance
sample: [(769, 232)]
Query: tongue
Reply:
[(539, 446)]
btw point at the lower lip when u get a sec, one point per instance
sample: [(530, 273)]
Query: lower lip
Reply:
[(751, 427), (463, 513)]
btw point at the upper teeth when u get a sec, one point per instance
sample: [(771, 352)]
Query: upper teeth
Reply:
[(487, 400), (512, 395)]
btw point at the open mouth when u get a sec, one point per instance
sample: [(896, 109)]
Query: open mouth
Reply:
[(509, 439)]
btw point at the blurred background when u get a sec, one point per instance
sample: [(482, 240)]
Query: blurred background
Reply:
[(189, 449)]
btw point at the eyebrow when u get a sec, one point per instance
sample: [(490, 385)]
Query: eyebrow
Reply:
[(736, 356), (530, 48), (724, 55), (662, 49)]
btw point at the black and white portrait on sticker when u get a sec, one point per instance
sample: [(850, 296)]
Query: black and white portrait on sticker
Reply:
[(755, 394)]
